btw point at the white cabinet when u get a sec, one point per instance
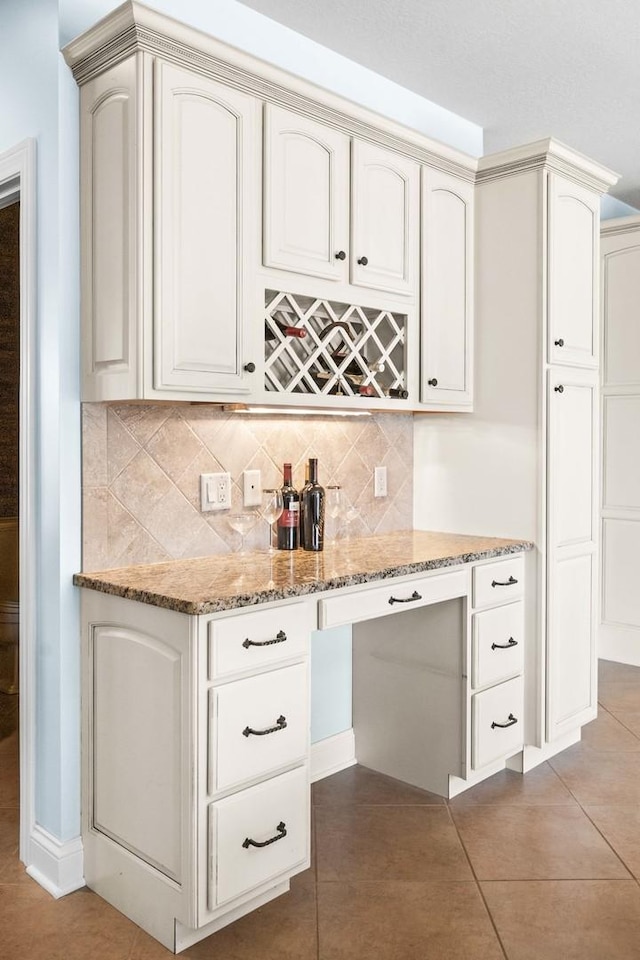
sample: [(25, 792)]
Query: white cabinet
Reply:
[(574, 218), (619, 631), (447, 289), (352, 217), (306, 195), (169, 193), (205, 148), (385, 218), (572, 439)]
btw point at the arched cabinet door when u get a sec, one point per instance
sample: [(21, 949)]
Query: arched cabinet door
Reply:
[(385, 219), (447, 289), (574, 222), (205, 156), (306, 195)]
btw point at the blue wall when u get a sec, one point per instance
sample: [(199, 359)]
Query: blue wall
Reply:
[(39, 99)]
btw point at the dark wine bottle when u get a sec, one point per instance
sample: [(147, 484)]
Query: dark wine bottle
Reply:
[(306, 484), (286, 331), (399, 393), (313, 510), (288, 522)]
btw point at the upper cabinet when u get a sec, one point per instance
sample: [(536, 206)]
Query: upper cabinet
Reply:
[(205, 148), (447, 289), (385, 219), (338, 208), (574, 223), (169, 194), (306, 196)]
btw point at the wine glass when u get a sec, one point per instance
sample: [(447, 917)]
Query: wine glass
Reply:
[(272, 507), (243, 523), (334, 507)]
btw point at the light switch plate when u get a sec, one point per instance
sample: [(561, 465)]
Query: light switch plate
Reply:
[(380, 482), (252, 488), (215, 491)]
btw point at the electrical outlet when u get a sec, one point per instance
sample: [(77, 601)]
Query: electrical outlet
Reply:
[(380, 482), (215, 491), (252, 485)]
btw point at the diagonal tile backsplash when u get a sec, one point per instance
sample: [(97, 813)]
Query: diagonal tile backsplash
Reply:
[(142, 465)]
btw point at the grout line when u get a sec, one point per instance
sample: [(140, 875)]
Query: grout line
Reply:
[(477, 882)]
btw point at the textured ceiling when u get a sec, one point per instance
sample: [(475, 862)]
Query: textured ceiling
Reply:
[(522, 69)]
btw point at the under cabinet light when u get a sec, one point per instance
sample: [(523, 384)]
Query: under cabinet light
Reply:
[(300, 411)]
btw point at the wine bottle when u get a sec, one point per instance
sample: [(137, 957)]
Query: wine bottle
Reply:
[(313, 510), (286, 331), (306, 484), (399, 393), (288, 522)]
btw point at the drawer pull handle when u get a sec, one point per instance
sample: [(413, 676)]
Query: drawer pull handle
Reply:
[(414, 596), (282, 832), (281, 723), (510, 722), (280, 637), (505, 646), (504, 583)]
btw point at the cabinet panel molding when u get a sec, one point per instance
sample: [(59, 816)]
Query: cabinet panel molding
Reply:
[(621, 296)]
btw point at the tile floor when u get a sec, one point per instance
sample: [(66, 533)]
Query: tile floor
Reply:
[(545, 867)]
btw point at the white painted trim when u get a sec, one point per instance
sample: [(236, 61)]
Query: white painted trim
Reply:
[(55, 865), (18, 175), (533, 756), (621, 644), (332, 755)]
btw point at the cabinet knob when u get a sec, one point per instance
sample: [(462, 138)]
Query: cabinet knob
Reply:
[(559, 343), (559, 388), (433, 382), (363, 261), (341, 255), (250, 367)]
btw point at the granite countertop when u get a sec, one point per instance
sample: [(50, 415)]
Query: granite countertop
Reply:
[(229, 581)]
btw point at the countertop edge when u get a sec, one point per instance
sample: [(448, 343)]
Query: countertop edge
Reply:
[(238, 601)]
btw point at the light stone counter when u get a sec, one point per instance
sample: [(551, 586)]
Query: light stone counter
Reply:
[(229, 581)]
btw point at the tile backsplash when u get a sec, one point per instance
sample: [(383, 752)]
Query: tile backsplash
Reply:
[(141, 469)]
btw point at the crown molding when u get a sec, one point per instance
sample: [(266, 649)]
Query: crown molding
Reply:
[(620, 226), (134, 27), (547, 154)]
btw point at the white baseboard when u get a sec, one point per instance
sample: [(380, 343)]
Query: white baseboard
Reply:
[(533, 756), (619, 644), (332, 755), (55, 865)]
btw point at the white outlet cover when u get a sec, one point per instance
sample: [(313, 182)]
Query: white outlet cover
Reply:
[(215, 491), (380, 482), (251, 488)]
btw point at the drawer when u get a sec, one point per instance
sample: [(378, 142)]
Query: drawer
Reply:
[(392, 598), (498, 582), (497, 646), (276, 811), (258, 639), (496, 722), (276, 706)]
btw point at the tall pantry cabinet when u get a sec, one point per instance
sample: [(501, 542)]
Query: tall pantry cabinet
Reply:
[(525, 463), (619, 636)]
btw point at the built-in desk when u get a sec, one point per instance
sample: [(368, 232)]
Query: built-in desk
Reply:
[(196, 706)]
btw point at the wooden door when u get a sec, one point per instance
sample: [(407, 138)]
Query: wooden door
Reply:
[(306, 196), (447, 289), (574, 219), (572, 549), (206, 153), (385, 219)]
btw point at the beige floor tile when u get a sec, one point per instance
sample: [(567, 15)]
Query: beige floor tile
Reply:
[(567, 919), (610, 670), (361, 786), (620, 696), (535, 843), (599, 777), (388, 843), (630, 720), (404, 921), (608, 733), (540, 786), (621, 827)]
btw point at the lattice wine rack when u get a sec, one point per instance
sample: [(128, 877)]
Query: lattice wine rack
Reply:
[(321, 347)]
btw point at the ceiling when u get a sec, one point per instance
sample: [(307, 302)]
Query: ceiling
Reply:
[(522, 69)]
